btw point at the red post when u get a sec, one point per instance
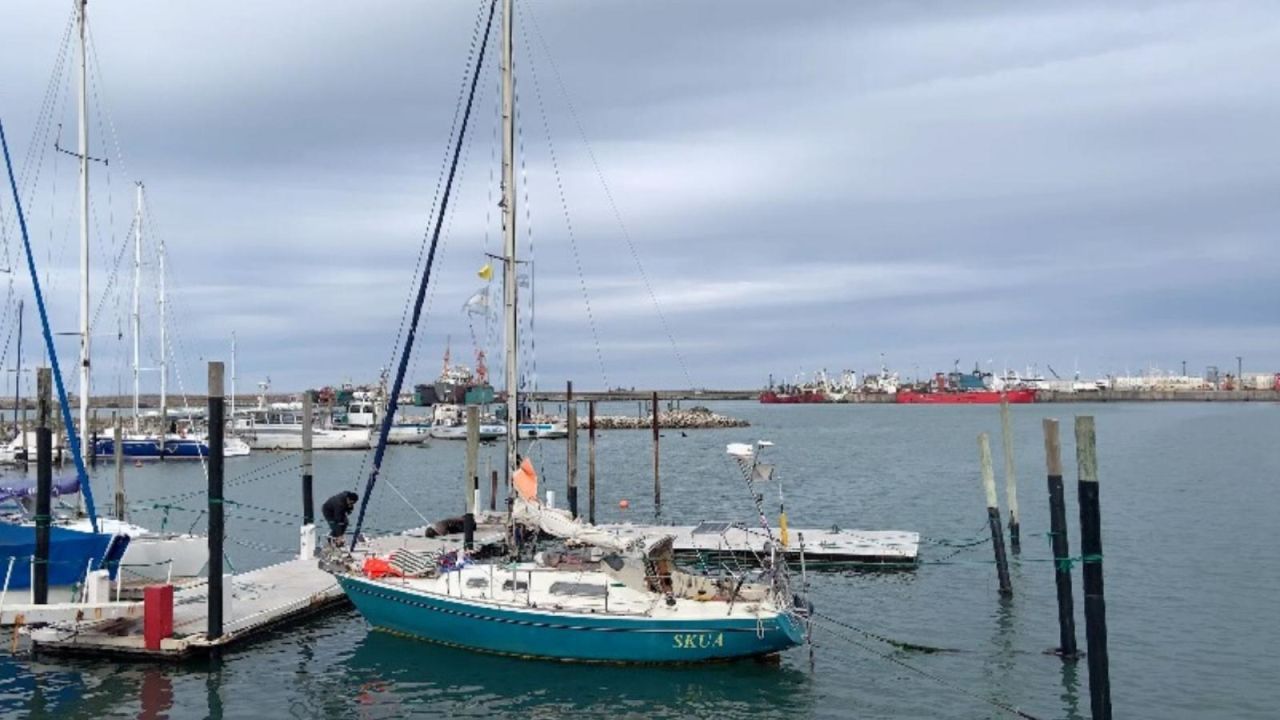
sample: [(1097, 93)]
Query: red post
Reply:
[(157, 614)]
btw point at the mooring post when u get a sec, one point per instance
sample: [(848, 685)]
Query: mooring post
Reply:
[(993, 515), (1095, 607), (657, 479), (1010, 479), (472, 479), (44, 485), (591, 462), (1058, 537), (308, 496), (571, 416), (117, 452), (216, 527)]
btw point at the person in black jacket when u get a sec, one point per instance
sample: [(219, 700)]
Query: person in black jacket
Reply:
[(336, 510)]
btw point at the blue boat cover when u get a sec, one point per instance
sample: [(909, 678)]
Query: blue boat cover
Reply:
[(71, 552)]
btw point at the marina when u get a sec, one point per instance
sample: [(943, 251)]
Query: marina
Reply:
[(430, 231)]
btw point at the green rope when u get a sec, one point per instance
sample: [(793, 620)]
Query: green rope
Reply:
[(1065, 564)]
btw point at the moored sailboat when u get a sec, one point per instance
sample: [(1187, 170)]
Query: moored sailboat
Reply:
[(600, 599)]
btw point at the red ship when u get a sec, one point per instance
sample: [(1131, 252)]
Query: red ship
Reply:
[(792, 396), (966, 397)]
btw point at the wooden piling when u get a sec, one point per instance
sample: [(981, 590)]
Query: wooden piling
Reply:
[(471, 479), (657, 479), (308, 496), (1095, 607), (591, 462), (117, 448), (993, 515), (216, 526), (1058, 538), (1010, 479), (44, 486), (571, 416)]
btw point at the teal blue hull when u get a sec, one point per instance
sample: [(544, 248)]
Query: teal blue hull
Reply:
[(560, 636)]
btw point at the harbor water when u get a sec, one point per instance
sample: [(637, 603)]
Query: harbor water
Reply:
[(1189, 508)]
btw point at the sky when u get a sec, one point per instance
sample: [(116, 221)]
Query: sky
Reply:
[(710, 192)]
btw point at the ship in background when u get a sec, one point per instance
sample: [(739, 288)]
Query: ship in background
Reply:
[(973, 388)]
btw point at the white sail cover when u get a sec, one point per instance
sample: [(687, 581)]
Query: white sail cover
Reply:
[(559, 523)]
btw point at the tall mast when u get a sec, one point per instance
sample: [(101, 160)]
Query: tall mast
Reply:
[(137, 292), (233, 379), (164, 349), (84, 233), (509, 230)]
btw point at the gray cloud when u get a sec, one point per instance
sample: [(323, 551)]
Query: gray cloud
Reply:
[(810, 186)]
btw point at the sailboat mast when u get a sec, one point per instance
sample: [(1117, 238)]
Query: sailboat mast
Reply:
[(233, 379), (137, 293), (21, 422), (509, 230), (84, 232), (164, 349)]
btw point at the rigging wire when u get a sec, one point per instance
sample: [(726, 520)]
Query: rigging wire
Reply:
[(564, 203), (393, 398), (613, 205)]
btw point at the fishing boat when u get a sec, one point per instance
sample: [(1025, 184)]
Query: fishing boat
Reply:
[(598, 600), (957, 388), (264, 428)]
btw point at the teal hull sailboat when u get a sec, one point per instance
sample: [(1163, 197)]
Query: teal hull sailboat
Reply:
[(598, 598)]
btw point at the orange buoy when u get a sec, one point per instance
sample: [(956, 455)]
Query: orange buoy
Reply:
[(624, 504)]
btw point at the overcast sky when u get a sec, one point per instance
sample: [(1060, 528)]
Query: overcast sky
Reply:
[(1075, 184)]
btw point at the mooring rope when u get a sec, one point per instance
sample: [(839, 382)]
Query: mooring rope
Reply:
[(999, 705)]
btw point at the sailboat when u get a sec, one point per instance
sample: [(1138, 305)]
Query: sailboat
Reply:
[(601, 599), (147, 554), (184, 444)]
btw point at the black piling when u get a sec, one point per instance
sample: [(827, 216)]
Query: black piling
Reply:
[(1095, 607), (571, 463), (1061, 546), (493, 490), (308, 493), (993, 515), (44, 487), (657, 479), (216, 526), (591, 462)]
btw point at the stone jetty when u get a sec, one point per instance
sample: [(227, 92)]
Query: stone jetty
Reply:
[(684, 419)]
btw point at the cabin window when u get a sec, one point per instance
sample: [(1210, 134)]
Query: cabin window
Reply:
[(477, 582), (518, 585)]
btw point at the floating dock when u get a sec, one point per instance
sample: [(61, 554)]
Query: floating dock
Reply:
[(716, 539), (256, 601)]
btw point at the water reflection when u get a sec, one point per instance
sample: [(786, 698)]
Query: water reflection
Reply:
[(390, 676)]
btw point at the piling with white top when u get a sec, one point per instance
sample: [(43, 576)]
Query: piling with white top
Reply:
[(117, 435), (571, 417), (1058, 538), (1095, 606), (471, 481), (308, 496), (216, 526), (993, 515), (1010, 480)]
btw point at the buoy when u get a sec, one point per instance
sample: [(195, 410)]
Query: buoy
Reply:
[(624, 504), (137, 463)]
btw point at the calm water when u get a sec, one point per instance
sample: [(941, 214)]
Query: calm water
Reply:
[(1190, 509)]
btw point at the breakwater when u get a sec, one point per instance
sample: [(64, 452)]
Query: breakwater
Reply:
[(691, 419)]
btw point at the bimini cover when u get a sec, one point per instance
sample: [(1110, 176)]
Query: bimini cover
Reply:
[(71, 552)]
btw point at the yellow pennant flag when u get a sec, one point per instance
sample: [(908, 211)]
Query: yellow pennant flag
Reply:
[(486, 272)]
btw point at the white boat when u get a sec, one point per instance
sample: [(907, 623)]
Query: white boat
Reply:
[(549, 430), (267, 429), (153, 555), (449, 422)]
